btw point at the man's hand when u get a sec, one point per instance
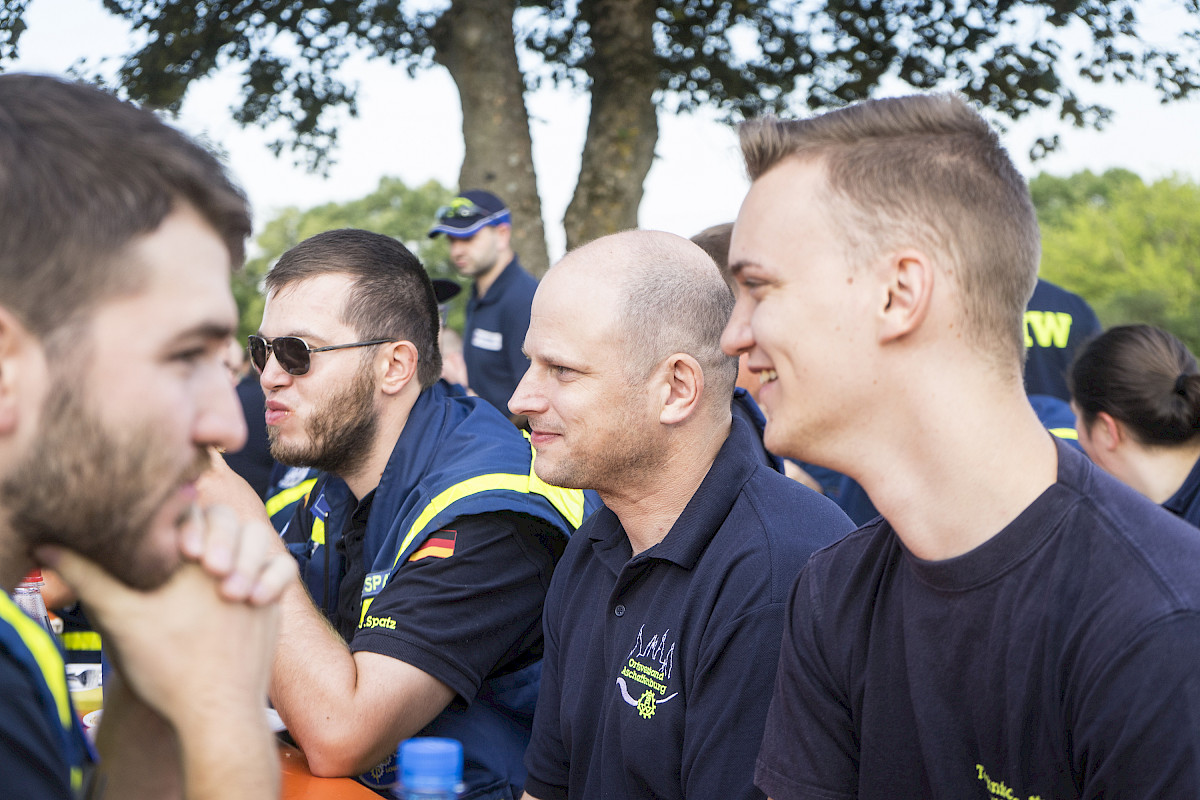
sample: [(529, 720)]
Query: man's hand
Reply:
[(243, 551), (197, 652), (179, 641)]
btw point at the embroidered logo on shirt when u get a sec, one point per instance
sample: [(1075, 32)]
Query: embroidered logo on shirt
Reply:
[(648, 668), (487, 340), (999, 790), (438, 545)]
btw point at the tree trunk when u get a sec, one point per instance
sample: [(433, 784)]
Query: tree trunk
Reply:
[(474, 41), (623, 126)]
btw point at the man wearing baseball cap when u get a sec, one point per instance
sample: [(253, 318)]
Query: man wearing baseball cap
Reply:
[(479, 227)]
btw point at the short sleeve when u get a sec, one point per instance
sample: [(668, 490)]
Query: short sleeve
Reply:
[(809, 746), (1136, 724), (470, 605)]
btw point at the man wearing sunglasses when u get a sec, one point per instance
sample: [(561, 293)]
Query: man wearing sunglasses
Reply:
[(116, 245), (479, 227), (426, 547)]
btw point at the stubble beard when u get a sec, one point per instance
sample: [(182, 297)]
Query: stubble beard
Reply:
[(339, 434), (614, 465), (97, 491)]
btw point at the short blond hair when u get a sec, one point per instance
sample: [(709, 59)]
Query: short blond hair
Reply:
[(925, 171)]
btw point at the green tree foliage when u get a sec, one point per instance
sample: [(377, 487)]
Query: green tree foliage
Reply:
[(743, 57), (1130, 248), (392, 209)]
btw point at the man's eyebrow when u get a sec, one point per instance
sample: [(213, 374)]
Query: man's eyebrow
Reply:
[(208, 330), (737, 266)]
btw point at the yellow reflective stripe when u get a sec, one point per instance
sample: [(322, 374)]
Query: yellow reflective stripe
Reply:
[(569, 502), (1065, 433), (318, 531), (278, 502), (45, 652), (81, 640), (366, 604)]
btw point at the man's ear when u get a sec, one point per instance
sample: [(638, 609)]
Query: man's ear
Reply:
[(503, 234), (682, 388), (15, 341), (400, 366), (908, 278)]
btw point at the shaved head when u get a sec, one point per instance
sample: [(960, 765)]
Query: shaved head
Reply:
[(666, 296)]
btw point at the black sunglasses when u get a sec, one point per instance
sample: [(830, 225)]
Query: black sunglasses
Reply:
[(292, 352)]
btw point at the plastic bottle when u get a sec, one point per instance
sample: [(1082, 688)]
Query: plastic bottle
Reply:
[(430, 769), (28, 598)]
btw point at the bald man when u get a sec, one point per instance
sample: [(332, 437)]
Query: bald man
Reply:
[(664, 617)]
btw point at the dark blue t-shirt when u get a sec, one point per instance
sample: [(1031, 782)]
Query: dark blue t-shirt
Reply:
[(495, 333), (1057, 322), (1186, 500), (1056, 660), (657, 667)]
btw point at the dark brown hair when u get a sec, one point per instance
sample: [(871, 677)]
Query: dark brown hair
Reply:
[(392, 295), (1143, 377), (81, 175), (714, 240)]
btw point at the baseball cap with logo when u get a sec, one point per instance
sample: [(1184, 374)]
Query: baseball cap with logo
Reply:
[(468, 213)]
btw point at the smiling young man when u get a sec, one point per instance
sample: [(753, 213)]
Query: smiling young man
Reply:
[(664, 618), (115, 309), (1018, 624), (427, 546)]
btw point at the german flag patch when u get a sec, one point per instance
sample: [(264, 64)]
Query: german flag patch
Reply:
[(439, 545)]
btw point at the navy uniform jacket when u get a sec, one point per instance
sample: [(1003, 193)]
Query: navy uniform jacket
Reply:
[(43, 751), (495, 333), (1057, 322), (658, 666), (459, 469)]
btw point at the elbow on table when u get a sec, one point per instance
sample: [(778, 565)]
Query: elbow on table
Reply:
[(340, 756)]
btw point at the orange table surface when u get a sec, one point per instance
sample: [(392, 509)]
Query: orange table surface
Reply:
[(300, 784)]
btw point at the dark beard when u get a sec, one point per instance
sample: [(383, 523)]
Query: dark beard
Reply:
[(340, 432), (95, 491)]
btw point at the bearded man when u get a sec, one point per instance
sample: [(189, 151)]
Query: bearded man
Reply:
[(427, 546), (118, 239)]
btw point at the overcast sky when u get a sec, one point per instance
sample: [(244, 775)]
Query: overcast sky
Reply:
[(411, 129)]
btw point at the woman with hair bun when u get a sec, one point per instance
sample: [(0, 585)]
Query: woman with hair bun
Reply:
[(1136, 392)]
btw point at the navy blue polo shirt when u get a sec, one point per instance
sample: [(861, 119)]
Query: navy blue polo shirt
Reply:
[(1055, 660), (658, 666), (495, 333), (1186, 500), (1057, 322)]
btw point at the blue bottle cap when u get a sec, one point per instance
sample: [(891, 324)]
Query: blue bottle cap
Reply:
[(431, 764)]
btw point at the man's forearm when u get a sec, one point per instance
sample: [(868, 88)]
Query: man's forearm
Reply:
[(230, 754), (226, 751), (313, 679), (345, 717), (139, 753)]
